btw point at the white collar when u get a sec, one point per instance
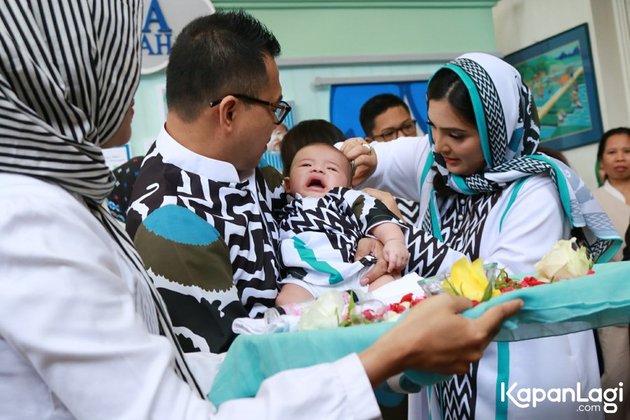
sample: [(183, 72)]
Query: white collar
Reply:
[(614, 191), (217, 170)]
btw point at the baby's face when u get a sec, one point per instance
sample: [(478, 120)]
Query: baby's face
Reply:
[(316, 169)]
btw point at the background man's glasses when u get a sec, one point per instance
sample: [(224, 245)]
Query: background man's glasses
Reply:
[(408, 128), (280, 110)]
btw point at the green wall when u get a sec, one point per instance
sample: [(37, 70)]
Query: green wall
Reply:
[(328, 40), (340, 32)]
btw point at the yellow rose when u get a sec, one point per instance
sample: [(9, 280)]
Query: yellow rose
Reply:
[(564, 261), (469, 280)]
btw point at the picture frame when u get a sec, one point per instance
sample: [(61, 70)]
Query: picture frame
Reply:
[(560, 73)]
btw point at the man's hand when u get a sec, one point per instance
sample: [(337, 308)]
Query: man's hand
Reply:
[(434, 337), (370, 246)]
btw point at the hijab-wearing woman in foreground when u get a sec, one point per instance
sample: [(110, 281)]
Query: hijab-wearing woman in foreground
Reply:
[(74, 342), (485, 193)]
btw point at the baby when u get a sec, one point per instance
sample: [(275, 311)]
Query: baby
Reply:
[(321, 226)]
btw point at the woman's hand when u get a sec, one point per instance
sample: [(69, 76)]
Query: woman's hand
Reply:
[(359, 151)]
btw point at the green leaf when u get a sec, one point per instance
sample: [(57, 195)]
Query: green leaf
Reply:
[(452, 287), (349, 319), (487, 294)]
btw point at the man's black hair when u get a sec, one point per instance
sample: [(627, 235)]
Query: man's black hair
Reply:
[(216, 55)]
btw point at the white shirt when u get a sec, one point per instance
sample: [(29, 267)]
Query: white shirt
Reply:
[(520, 228), (72, 345), (614, 191), (517, 232), (614, 204)]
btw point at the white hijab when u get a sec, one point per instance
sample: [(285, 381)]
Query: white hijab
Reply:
[(68, 73), (508, 127)]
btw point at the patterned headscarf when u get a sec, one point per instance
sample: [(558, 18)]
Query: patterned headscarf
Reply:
[(68, 73), (507, 123)]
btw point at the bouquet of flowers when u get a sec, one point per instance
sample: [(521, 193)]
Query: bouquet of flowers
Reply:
[(479, 282), (343, 309), (475, 280)]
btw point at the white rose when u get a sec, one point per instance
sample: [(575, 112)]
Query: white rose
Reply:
[(325, 312), (564, 261)]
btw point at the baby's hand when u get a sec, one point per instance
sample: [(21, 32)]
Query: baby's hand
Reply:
[(396, 254)]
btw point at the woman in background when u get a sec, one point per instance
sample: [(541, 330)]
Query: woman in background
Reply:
[(613, 158)]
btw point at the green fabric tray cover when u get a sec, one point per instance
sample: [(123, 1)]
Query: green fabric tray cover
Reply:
[(593, 301)]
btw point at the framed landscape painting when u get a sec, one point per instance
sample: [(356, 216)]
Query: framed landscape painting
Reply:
[(559, 71)]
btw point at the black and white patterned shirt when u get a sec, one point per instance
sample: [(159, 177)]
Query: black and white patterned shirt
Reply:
[(319, 235), (208, 238)]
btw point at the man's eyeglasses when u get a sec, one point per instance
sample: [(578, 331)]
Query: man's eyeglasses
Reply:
[(280, 110), (408, 128)]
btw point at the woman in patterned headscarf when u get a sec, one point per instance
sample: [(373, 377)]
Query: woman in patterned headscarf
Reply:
[(68, 73), (485, 193)]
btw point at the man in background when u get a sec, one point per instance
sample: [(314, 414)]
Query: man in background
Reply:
[(386, 117)]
